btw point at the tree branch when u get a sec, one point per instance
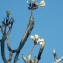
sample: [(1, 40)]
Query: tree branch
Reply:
[(22, 42), (10, 57), (1, 29), (8, 45), (2, 48), (3, 43), (40, 51), (10, 50)]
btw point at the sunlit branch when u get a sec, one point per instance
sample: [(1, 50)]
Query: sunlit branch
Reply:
[(27, 33), (24, 58), (10, 57), (41, 50), (35, 60)]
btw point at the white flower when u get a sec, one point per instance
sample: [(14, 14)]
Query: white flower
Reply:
[(37, 40), (36, 37), (32, 37), (42, 3), (40, 41)]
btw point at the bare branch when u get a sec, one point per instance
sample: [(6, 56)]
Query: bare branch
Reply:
[(41, 50), (9, 31), (10, 27), (27, 33), (5, 36), (10, 50), (8, 45), (1, 29), (10, 57), (2, 48)]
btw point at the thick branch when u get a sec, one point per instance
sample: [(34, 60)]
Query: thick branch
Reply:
[(27, 33), (2, 48)]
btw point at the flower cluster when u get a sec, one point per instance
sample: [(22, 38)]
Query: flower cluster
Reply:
[(37, 39), (34, 5)]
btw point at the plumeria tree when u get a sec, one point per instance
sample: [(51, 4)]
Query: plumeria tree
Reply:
[(6, 28), (8, 23)]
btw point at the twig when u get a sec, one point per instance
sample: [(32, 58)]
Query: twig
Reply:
[(8, 45), (1, 29), (10, 28), (10, 57), (24, 58), (40, 51)]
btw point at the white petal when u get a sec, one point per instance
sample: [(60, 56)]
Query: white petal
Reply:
[(42, 3), (36, 36), (41, 40), (40, 43), (32, 37)]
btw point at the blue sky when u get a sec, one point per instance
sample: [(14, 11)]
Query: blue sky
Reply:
[(48, 25)]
